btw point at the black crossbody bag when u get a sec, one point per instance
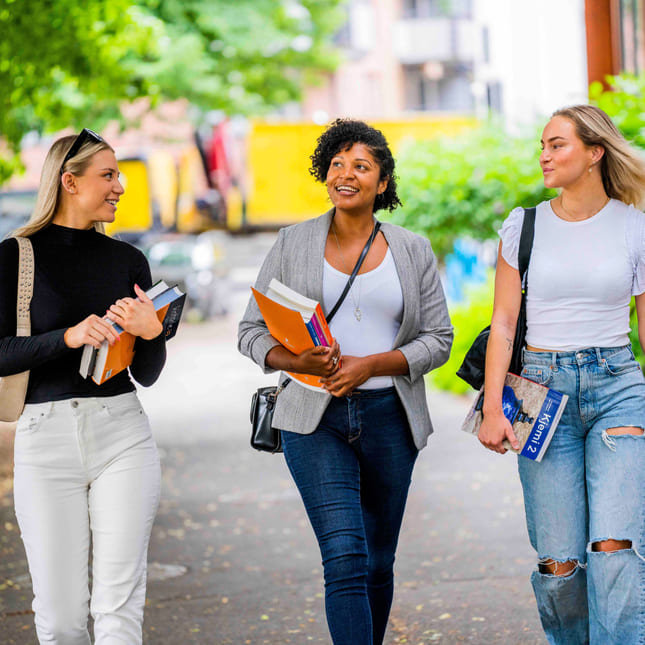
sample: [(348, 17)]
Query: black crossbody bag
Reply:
[(264, 436), (473, 367)]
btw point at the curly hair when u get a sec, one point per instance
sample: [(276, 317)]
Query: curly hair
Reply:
[(342, 134)]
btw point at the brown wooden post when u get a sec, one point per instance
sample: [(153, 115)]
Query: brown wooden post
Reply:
[(603, 39)]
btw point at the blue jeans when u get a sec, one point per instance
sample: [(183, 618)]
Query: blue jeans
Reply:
[(353, 473), (590, 487)]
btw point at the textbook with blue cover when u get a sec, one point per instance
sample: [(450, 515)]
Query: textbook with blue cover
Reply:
[(533, 410)]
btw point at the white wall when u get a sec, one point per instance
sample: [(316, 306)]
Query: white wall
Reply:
[(537, 52)]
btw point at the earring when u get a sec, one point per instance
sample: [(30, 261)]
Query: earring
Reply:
[(590, 168)]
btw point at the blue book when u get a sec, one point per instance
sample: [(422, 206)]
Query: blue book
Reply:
[(533, 410), (312, 332)]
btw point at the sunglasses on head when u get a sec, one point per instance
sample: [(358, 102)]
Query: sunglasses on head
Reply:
[(85, 135)]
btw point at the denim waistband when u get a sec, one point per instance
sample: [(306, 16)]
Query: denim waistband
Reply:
[(576, 357), (373, 394)]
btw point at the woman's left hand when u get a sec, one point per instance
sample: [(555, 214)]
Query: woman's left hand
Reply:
[(352, 374), (136, 315)]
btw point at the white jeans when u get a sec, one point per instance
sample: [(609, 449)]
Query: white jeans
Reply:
[(86, 468)]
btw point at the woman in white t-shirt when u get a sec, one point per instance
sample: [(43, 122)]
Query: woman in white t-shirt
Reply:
[(585, 502)]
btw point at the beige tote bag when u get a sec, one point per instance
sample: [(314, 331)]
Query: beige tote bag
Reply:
[(13, 389)]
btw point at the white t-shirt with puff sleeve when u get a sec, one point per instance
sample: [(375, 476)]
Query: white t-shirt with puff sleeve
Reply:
[(581, 276)]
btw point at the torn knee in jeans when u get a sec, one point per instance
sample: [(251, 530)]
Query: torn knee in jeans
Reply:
[(611, 545), (555, 568), (626, 431)]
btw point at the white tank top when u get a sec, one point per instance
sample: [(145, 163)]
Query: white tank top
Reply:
[(581, 276), (378, 295)]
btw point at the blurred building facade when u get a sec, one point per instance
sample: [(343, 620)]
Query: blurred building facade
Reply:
[(519, 58)]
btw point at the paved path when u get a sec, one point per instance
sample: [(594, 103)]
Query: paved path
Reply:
[(233, 559)]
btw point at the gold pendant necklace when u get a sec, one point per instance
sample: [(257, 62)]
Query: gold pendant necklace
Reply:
[(572, 218)]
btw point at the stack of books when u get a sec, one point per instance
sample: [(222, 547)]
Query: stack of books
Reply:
[(296, 321), (108, 360)]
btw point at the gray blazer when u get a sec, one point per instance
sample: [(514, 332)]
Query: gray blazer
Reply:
[(425, 336)]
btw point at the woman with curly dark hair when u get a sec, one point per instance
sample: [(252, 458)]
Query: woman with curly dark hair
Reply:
[(351, 446)]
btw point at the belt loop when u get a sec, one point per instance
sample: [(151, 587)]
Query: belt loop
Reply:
[(554, 359), (598, 354)]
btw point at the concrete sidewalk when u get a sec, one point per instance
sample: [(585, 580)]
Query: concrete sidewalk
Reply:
[(233, 559)]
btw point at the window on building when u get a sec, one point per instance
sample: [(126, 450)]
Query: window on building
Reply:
[(494, 97), (632, 36), (485, 44), (439, 87), (437, 8)]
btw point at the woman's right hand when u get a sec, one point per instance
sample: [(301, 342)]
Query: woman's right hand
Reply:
[(494, 429), (319, 361), (91, 331)]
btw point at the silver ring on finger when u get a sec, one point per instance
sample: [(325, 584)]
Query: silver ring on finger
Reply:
[(334, 360)]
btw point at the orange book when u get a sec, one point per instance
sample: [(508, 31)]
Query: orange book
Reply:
[(107, 361), (296, 322)]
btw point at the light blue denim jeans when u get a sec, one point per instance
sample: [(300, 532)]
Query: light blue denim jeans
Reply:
[(590, 487)]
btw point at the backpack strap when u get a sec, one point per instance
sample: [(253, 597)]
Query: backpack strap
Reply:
[(526, 244)]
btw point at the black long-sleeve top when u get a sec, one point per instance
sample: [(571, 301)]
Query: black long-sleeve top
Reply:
[(77, 273)]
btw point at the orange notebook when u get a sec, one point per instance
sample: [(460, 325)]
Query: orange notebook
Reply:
[(115, 358), (103, 363), (297, 322)]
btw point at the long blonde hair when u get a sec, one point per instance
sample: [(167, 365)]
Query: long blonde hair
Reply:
[(622, 168), (48, 199)]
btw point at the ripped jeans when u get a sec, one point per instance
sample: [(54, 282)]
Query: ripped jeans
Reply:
[(590, 487)]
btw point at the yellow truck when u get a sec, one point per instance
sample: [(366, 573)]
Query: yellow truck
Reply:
[(279, 189)]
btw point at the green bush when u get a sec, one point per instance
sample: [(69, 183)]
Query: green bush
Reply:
[(465, 186), (633, 335), (468, 319), (624, 104)]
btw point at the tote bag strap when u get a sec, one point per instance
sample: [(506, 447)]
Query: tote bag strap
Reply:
[(25, 286)]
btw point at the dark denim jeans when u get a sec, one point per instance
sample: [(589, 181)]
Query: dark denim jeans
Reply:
[(353, 474)]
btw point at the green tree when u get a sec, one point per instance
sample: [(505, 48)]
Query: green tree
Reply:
[(624, 103), (243, 56), (68, 63), (60, 60)]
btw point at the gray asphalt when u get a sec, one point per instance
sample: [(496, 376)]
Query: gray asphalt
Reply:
[(232, 556)]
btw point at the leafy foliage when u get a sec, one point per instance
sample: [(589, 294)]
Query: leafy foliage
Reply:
[(68, 63), (467, 184), (625, 104), (242, 56), (60, 60)]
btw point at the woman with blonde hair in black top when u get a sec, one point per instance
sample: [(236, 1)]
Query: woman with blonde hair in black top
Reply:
[(86, 465)]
